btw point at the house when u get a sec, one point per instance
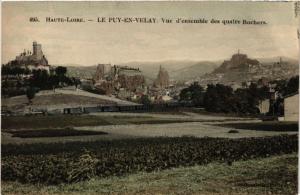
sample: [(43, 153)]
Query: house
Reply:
[(77, 110), (264, 106), (291, 107)]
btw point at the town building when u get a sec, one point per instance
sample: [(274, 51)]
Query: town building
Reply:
[(121, 81), (291, 107), (264, 106)]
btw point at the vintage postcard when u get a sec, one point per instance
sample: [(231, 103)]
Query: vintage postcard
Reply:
[(149, 97)]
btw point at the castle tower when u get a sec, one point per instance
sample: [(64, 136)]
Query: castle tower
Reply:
[(37, 50)]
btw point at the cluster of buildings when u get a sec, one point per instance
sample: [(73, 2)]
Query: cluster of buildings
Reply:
[(290, 106), (121, 81), (129, 83)]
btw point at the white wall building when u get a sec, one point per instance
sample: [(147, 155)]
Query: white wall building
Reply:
[(291, 107)]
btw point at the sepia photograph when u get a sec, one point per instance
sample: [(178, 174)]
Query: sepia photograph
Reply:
[(160, 97)]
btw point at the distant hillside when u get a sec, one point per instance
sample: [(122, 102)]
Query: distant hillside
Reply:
[(81, 71), (178, 70), (191, 72)]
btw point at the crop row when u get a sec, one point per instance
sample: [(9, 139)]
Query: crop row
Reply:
[(79, 161)]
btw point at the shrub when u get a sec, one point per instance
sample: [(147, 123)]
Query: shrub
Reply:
[(66, 162), (233, 131), (83, 168)]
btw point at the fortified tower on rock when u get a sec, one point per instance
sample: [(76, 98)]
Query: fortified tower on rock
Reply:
[(37, 51)]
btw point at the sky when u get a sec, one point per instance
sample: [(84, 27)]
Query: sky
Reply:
[(90, 43)]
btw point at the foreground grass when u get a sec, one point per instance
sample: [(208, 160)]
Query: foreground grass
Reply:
[(273, 175)]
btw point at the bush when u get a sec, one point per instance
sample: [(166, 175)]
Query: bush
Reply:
[(30, 93), (233, 131), (83, 168)]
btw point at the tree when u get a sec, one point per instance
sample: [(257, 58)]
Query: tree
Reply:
[(40, 79), (61, 70), (210, 98), (185, 94), (76, 82), (219, 98), (292, 85), (53, 81), (193, 93), (145, 100), (4, 70), (30, 93), (27, 71)]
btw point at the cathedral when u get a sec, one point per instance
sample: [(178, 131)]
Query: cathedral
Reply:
[(162, 80)]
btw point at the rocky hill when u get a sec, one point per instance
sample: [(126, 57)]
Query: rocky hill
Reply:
[(238, 62), (240, 68)]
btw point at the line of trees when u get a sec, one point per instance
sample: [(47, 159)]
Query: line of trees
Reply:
[(39, 80), (286, 87), (43, 80), (14, 70), (221, 98)]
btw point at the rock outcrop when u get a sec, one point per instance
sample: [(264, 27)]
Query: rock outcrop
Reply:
[(239, 62)]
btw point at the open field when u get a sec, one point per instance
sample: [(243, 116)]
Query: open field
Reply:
[(113, 118), (55, 99), (148, 153), (63, 97), (134, 125), (272, 175), (197, 129)]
